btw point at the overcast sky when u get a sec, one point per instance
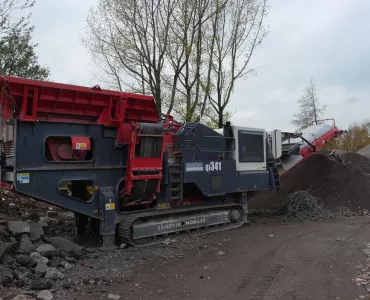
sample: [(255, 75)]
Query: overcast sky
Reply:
[(327, 40)]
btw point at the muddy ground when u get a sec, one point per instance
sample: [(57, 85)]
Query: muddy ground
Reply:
[(265, 260)]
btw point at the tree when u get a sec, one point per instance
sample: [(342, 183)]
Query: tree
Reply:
[(18, 58), (212, 121), (237, 31), (186, 53), (355, 138), (17, 52), (131, 38), (310, 108), (8, 23)]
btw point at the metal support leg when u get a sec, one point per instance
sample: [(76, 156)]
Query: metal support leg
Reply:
[(108, 214), (81, 222), (243, 199)]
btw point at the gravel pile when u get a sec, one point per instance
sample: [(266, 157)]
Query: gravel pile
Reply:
[(338, 181)]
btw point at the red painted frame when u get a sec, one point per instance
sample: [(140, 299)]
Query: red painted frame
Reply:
[(58, 102)]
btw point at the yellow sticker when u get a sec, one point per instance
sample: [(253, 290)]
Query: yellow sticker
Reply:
[(110, 206), (163, 205), (80, 146)]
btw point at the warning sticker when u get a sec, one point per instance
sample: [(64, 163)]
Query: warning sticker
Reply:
[(23, 177), (81, 146), (110, 206)]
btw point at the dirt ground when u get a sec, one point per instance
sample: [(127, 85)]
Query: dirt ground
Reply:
[(271, 258), (313, 260)]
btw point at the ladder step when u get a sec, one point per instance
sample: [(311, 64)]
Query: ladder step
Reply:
[(174, 165)]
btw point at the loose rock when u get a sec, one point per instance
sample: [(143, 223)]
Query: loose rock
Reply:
[(41, 268), (55, 261), (23, 297), (67, 266), (66, 245), (46, 250), (19, 227), (26, 245), (54, 274), (45, 295), (41, 284), (23, 260), (5, 249), (8, 260), (113, 296), (36, 257), (3, 231), (6, 276), (36, 232)]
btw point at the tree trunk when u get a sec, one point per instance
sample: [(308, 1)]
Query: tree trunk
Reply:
[(220, 118)]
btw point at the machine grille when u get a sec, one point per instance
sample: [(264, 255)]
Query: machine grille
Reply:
[(9, 148)]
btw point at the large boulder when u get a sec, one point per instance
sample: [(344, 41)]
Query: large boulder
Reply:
[(36, 231), (19, 227), (26, 245), (46, 250), (66, 245)]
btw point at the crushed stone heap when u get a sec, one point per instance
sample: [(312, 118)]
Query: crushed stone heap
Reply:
[(338, 180)]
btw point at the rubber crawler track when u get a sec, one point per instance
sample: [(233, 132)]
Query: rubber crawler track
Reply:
[(124, 228)]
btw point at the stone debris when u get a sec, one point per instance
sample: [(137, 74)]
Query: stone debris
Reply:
[(36, 232), (168, 241), (113, 296), (19, 227), (54, 274), (67, 265), (37, 258), (23, 297), (363, 276), (45, 295), (26, 245), (3, 231), (41, 268), (41, 284), (34, 257), (46, 250), (66, 245), (55, 261), (5, 249)]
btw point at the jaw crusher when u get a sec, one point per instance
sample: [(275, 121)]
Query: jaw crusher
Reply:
[(125, 171)]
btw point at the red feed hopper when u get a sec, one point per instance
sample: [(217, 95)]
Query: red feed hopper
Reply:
[(32, 100)]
